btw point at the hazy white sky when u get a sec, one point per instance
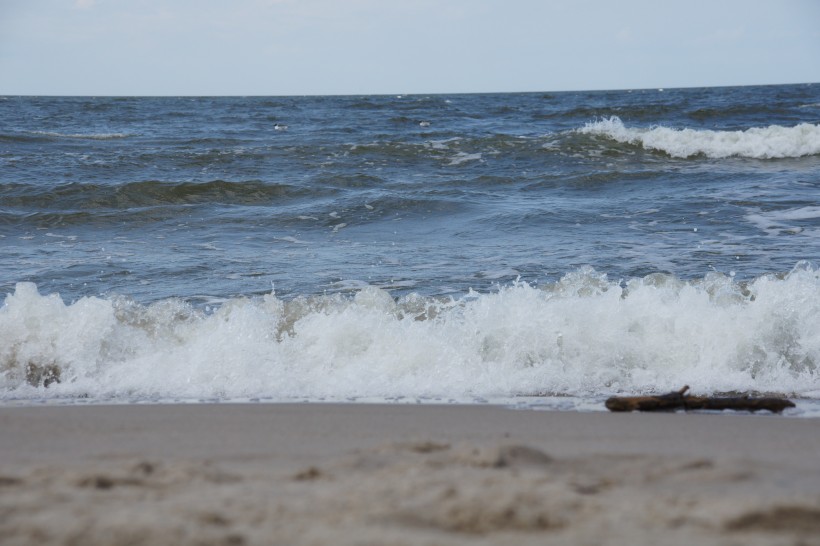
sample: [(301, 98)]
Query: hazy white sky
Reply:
[(295, 47)]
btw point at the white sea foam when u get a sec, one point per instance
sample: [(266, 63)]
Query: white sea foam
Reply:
[(585, 335), (463, 157), (290, 239), (442, 144), (770, 142), (777, 222)]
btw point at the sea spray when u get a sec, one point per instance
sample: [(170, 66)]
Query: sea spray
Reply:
[(584, 335)]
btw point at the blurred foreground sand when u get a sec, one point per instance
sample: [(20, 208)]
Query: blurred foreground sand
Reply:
[(294, 474)]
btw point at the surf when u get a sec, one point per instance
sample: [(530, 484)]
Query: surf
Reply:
[(772, 142), (583, 335)]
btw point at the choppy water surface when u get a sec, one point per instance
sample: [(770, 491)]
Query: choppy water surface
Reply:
[(436, 247)]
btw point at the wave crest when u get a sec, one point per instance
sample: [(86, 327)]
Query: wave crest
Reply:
[(82, 136), (773, 142), (583, 335)]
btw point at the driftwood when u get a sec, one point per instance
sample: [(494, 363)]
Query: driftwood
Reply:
[(680, 400)]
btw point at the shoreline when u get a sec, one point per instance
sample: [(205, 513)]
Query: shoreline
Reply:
[(402, 474), (805, 407)]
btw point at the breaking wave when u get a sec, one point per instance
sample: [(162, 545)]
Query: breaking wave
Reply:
[(583, 335), (773, 142)]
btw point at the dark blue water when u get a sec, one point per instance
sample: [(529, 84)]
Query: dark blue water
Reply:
[(484, 245), (189, 197)]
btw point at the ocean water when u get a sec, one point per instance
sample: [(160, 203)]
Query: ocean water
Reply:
[(534, 249)]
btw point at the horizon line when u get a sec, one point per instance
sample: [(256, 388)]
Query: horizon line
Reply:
[(254, 95)]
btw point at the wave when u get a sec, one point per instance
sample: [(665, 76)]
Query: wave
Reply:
[(644, 111), (583, 335), (452, 151), (777, 222), (755, 111), (151, 193), (771, 142), (82, 136)]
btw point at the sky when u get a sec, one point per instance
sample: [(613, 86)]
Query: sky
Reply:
[(328, 47)]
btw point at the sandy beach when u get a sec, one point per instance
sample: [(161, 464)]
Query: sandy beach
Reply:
[(394, 474)]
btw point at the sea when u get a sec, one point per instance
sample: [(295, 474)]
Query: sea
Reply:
[(534, 250)]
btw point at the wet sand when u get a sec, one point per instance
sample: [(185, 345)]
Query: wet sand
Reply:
[(295, 474)]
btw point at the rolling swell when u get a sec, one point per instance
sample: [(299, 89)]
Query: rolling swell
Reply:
[(641, 112), (754, 111), (48, 136), (447, 149), (150, 193)]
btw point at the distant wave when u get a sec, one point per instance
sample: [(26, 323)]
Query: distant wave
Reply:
[(82, 136), (585, 334), (149, 193), (771, 142)]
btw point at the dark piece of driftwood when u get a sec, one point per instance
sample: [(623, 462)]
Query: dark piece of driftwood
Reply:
[(679, 400)]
